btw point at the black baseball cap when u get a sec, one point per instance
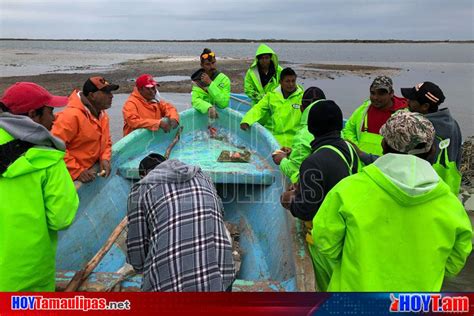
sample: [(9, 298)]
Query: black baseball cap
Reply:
[(95, 84), (425, 92)]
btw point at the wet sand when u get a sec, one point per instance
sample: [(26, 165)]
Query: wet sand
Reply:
[(124, 73)]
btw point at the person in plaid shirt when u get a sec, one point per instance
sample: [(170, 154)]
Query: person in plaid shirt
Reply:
[(176, 232)]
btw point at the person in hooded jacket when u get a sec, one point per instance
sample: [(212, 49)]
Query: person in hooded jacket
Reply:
[(84, 127), (38, 196), (290, 159), (263, 75), (425, 98), (412, 235), (332, 160), (176, 233)]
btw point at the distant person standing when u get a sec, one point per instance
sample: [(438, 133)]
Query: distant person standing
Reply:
[(84, 127), (282, 106), (211, 88), (364, 125), (37, 194), (263, 75), (143, 110), (425, 98)]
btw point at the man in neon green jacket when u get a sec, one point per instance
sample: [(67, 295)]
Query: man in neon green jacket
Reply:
[(37, 193), (395, 226), (263, 75), (211, 88), (282, 105), (290, 159), (364, 125)]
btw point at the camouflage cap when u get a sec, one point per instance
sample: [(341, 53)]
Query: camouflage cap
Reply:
[(382, 82), (408, 132)]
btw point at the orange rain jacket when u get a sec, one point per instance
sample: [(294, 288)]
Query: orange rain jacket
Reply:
[(139, 113), (87, 138)]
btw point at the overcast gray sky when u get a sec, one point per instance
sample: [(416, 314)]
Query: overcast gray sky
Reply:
[(253, 19)]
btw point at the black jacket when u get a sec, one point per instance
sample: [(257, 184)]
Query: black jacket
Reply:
[(319, 173)]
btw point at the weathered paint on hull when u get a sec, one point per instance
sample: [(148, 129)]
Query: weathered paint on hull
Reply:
[(273, 255)]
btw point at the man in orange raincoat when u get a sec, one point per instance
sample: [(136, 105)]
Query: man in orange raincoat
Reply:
[(84, 127), (143, 109)]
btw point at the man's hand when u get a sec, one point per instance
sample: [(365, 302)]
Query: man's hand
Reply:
[(278, 155), (165, 124), (174, 123), (206, 79), (212, 113), (104, 168), (244, 126), (87, 175), (286, 198)]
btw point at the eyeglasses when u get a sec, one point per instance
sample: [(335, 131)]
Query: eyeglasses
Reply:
[(207, 55)]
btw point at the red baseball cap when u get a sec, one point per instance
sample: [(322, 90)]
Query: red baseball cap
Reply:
[(147, 81), (22, 97)]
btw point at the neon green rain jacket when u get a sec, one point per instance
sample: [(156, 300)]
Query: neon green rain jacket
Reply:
[(392, 227), (284, 114), (300, 149), (38, 199), (218, 94), (252, 84)]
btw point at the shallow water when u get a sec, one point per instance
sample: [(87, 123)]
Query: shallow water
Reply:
[(451, 66)]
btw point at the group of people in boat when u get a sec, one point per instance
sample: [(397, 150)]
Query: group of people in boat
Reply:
[(378, 194)]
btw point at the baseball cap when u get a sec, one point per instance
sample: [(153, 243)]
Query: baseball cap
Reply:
[(22, 97), (94, 84), (425, 92), (146, 81), (408, 132), (382, 82)]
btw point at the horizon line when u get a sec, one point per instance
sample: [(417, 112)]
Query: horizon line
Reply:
[(244, 40)]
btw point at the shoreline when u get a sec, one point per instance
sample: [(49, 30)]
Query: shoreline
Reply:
[(124, 73)]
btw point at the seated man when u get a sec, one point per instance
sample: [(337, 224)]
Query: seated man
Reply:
[(143, 110), (364, 125), (211, 88), (37, 194), (84, 127), (395, 226), (425, 98), (176, 232), (290, 159), (282, 105), (263, 75)]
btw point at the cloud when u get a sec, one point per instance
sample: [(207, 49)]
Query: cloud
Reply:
[(185, 19)]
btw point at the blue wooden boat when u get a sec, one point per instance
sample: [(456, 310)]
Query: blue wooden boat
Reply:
[(274, 255)]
